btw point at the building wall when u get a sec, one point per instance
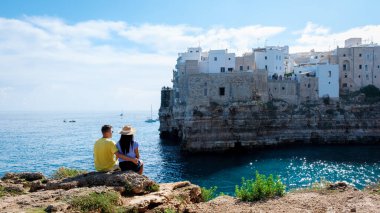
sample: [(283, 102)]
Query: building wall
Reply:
[(328, 80), (219, 59), (270, 59), (245, 62), (283, 89), (359, 66)]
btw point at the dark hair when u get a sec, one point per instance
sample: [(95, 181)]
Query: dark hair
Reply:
[(106, 128), (126, 141)]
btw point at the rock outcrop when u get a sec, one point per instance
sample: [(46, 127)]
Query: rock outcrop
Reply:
[(233, 125)]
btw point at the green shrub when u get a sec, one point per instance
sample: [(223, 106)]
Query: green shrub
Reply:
[(67, 172), (370, 91), (102, 202), (153, 188), (8, 192), (260, 188), (169, 210), (208, 194)]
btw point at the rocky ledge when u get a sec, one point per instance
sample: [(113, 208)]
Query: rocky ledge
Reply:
[(33, 192)]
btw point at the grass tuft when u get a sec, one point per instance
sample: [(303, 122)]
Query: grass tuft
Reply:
[(208, 194), (100, 202), (64, 172), (260, 188), (153, 188)]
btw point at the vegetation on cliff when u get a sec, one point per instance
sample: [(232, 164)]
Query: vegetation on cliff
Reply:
[(260, 188)]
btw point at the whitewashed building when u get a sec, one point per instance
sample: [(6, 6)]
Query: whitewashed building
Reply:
[(327, 74), (271, 58)]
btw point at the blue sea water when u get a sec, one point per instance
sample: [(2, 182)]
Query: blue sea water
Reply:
[(43, 142)]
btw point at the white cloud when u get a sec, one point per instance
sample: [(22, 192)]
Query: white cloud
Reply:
[(321, 38), (169, 39), (97, 64)]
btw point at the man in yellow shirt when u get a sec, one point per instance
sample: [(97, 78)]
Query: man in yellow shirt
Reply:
[(106, 152)]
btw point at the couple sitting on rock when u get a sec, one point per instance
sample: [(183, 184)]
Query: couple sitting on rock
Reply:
[(107, 153)]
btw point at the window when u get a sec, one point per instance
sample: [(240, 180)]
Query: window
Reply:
[(205, 92), (366, 67), (230, 69), (266, 67), (276, 57), (345, 76), (378, 66), (308, 85), (221, 91), (283, 88), (360, 55), (367, 56), (344, 55), (247, 67), (276, 67), (344, 67), (215, 58), (241, 68), (229, 59), (266, 57), (359, 76), (329, 74), (360, 66), (367, 77), (344, 85), (191, 51), (222, 69), (329, 82)]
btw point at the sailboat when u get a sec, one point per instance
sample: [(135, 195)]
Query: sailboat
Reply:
[(150, 120)]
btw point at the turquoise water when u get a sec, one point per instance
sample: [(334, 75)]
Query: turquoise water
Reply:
[(43, 142)]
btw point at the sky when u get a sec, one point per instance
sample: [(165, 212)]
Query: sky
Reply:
[(103, 55)]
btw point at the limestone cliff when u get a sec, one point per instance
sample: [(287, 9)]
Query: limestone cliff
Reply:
[(230, 125)]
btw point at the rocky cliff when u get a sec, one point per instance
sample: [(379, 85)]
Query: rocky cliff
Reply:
[(235, 125)]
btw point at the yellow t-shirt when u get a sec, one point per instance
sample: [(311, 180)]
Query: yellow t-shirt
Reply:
[(104, 158)]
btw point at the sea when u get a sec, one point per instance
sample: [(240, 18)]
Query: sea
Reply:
[(43, 142)]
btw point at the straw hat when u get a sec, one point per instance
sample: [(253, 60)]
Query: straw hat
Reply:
[(127, 130)]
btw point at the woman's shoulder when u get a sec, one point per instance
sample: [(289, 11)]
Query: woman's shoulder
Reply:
[(135, 143)]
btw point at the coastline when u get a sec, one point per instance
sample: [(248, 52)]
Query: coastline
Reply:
[(33, 192)]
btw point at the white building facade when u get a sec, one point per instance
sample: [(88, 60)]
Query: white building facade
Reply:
[(271, 59)]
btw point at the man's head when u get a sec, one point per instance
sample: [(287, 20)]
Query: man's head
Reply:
[(107, 131)]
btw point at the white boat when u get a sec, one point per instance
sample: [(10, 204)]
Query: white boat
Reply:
[(151, 120)]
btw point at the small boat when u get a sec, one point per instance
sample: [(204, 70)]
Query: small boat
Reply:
[(72, 121), (151, 120)]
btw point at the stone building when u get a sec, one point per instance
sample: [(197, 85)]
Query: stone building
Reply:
[(359, 65)]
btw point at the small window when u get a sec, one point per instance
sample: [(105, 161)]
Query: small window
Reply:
[(329, 74), (266, 57), (308, 85), (283, 88), (241, 68), (247, 67), (344, 85), (359, 76), (366, 67), (221, 91), (375, 76), (266, 67), (191, 51), (229, 59), (197, 51), (367, 77), (230, 69), (360, 55), (367, 56), (344, 67), (215, 58), (360, 66), (344, 55), (345, 76), (329, 82), (378, 66), (205, 92), (222, 69)]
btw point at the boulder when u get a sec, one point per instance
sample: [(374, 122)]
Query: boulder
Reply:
[(128, 182)]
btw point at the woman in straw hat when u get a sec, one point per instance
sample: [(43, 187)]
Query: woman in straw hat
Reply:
[(130, 148)]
